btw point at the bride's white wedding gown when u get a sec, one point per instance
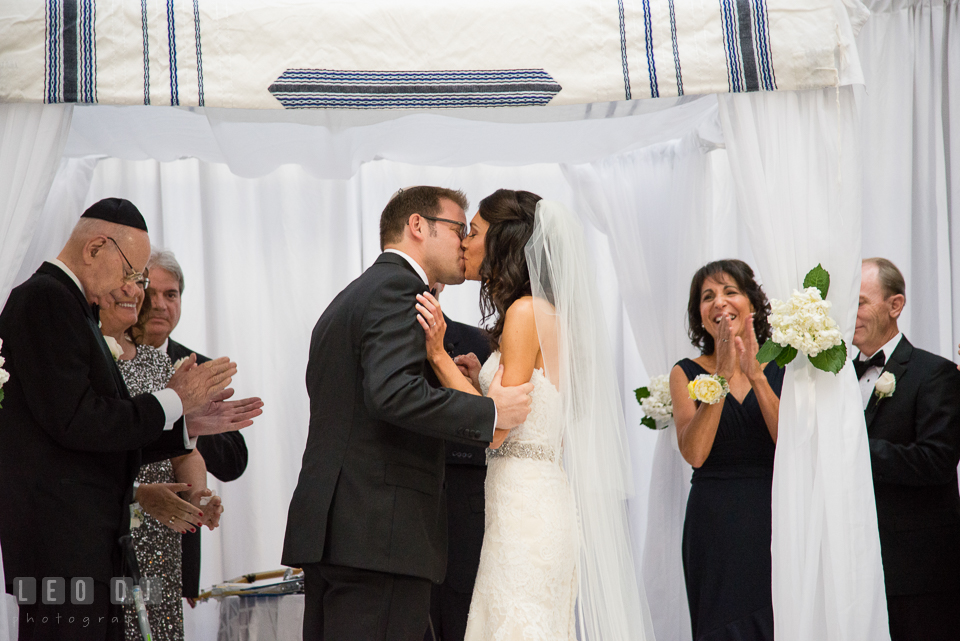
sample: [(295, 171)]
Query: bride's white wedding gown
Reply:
[(526, 585)]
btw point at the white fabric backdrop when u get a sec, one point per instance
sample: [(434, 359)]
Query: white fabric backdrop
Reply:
[(905, 199), (827, 573), (32, 138)]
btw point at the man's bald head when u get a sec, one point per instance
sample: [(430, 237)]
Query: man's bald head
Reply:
[(103, 253)]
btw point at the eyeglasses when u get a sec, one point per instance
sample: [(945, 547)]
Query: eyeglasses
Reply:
[(137, 278), (461, 227)]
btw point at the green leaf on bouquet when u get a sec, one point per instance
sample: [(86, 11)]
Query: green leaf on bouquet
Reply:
[(769, 351), (831, 360), (642, 393), (1, 398), (818, 277), (649, 422), (786, 356)]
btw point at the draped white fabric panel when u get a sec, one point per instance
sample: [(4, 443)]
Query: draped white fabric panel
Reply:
[(907, 149), (254, 143), (827, 573), (32, 138)]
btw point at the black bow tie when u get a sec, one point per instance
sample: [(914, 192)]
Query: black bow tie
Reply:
[(95, 308), (861, 367)]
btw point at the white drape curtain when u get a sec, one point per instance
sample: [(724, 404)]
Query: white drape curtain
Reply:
[(827, 573), (911, 199), (666, 210), (32, 138)]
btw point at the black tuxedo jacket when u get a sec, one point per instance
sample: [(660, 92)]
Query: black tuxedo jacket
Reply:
[(914, 448), (370, 493), (226, 458), (71, 434), (465, 473)]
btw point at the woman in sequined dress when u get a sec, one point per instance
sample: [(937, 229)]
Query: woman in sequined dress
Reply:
[(146, 369)]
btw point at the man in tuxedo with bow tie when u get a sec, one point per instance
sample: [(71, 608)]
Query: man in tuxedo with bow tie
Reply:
[(73, 438), (367, 522), (914, 432)]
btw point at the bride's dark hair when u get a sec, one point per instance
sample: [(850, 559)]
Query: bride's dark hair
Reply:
[(503, 274)]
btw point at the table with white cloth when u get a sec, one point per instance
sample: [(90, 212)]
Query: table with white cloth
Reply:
[(261, 618)]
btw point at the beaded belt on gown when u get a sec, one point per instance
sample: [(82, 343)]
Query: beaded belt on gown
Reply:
[(522, 450)]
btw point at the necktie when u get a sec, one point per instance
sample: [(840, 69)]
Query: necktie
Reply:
[(877, 360)]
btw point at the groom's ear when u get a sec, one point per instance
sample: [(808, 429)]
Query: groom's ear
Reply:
[(416, 224)]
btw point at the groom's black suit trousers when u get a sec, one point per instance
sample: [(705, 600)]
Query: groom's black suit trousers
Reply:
[(350, 603)]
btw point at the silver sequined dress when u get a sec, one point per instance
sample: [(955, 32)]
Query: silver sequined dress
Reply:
[(157, 546)]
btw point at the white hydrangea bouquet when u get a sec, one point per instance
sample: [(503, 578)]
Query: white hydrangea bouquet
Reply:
[(656, 402), (4, 374), (803, 324)]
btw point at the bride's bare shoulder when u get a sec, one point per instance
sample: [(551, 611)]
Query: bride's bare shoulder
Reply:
[(526, 307)]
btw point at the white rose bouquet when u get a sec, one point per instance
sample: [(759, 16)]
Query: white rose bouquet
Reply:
[(708, 388), (656, 402), (803, 324), (4, 374)]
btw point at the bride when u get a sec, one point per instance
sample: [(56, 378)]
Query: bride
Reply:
[(556, 553)]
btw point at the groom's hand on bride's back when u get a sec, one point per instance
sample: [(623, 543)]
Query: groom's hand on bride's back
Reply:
[(513, 406)]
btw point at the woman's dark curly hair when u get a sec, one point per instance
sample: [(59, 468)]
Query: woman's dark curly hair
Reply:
[(503, 274), (742, 275)]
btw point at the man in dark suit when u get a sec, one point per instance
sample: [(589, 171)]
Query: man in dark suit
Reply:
[(225, 455), (73, 438), (912, 404), (367, 521), (466, 471)]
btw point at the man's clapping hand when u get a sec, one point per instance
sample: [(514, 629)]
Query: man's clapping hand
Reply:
[(220, 415), (198, 385)]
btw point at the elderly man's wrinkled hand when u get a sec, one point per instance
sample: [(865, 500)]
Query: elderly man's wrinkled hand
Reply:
[(198, 385), (221, 415)]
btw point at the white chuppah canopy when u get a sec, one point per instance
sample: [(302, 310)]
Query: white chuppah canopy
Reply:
[(651, 175)]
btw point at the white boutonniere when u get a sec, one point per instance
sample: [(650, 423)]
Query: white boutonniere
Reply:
[(4, 374), (886, 385), (114, 346), (180, 361), (708, 389)]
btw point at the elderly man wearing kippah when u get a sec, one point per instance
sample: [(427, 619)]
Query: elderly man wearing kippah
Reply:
[(73, 438)]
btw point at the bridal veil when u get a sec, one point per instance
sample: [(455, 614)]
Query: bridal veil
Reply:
[(611, 604)]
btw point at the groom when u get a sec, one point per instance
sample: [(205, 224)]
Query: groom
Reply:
[(367, 522)]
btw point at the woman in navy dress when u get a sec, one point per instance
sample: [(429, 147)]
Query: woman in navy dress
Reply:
[(730, 444)]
